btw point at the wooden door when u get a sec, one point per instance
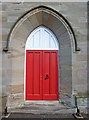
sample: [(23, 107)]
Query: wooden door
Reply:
[(33, 75), (42, 75), (50, 75)]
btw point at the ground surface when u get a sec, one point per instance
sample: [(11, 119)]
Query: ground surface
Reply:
[(43, 116)]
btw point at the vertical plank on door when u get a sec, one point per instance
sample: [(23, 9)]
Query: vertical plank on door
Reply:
[(36, 72), (53, 73), (29, 74), (46, 88)]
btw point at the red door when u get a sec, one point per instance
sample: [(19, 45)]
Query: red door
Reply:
[(42, 75)]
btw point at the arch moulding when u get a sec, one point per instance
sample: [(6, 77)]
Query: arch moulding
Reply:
[(43, 10)]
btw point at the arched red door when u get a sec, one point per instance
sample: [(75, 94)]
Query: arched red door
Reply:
[(41, 65)]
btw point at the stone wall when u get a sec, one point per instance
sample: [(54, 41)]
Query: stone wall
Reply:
[(73, 64)]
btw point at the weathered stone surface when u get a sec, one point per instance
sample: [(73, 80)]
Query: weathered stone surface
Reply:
[(73, 73), (15, 100), (81, 57), (49, 107), (13, 89)]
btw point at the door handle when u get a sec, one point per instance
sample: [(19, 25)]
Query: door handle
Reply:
[(46, 77)]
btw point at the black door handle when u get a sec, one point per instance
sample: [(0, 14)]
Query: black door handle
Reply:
[(46, 77)]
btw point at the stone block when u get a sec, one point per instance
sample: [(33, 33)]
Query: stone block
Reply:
[(82, 102), (4, 37), (81, 58), (15, 100), (61, 30), (13, 89), (12, 19), (5, 30), (65, 60), (80, 87), (82, 75)]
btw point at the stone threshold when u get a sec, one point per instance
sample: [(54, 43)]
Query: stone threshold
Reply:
[(43, 102)]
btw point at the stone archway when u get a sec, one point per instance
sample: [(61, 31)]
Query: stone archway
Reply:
[(58, 24)]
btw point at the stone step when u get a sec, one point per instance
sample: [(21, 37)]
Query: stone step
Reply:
[(42, 107), (41, 102)]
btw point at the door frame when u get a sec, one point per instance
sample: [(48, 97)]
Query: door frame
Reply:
[(58, 69)]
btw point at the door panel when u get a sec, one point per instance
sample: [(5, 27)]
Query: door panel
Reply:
[(33, 72), (46, 86), (53, 73), (42, 75), (50, 67)]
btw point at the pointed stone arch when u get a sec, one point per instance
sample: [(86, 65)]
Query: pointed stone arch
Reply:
[(54, 21), (43, 12)]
